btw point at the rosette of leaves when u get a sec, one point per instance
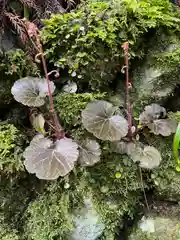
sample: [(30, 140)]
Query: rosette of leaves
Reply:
[(31, 91), (89, 153), (154, 118), (101, 119), (48, 159), (147, 156)]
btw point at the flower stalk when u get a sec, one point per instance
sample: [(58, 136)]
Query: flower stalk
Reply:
[(32, 31), (125, 48)]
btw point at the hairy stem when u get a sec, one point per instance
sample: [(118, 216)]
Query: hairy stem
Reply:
[(125, 47), (58, 127), (32, 31)]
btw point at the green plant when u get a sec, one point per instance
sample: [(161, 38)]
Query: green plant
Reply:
[(11, 149), (70, 105), (14, 65), (87, 41), (49, 159), (13, 12)]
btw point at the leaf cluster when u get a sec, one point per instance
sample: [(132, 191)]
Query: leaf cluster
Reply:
[(154, 118)]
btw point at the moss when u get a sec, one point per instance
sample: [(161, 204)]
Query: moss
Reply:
[(166, 179), (14, 64), (8, 234), (174, 116), (70, 105), (11, 149), (17, 191), (156, 76), (139, 235), (87, 42), (49, 217)]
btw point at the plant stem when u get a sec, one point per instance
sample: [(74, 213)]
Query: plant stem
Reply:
[(26, 12), (32, 32), (125, 47), (58, 127), (145, 198)]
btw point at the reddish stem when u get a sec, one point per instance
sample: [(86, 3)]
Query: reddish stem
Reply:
[(125, 47), (59, 130), (32, 31)]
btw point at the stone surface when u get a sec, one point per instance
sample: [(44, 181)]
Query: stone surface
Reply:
[(7, 42), (162, 225), (88, 225), (154, 79)]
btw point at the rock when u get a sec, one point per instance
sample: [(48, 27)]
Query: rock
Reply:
[(7, 42), (156, 77), (162, 225), (88, 225)]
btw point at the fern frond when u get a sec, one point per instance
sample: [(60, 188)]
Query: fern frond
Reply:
[(18, 25), (2, 11)]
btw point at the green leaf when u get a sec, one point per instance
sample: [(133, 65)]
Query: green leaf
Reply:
[(99, 119), (38, 123), (176, 142)]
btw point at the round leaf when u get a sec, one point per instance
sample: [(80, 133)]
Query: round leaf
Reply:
[(31, 91), (50, 160), (99, 119), (152, 112), (90, 153), (70, 87), (164, 127), (149, 157)]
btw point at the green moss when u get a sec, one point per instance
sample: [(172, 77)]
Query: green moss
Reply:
[(14, 65), (166, 179), (49, 217), (17, 191), (87, 42), (8, 234), (17, 64), (70, 105), (139, 235), (157, 74), (11, 148), (174, 116)]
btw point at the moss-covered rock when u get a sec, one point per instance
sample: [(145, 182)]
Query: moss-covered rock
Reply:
[(87, 42), (159, 226), (156, 76)]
